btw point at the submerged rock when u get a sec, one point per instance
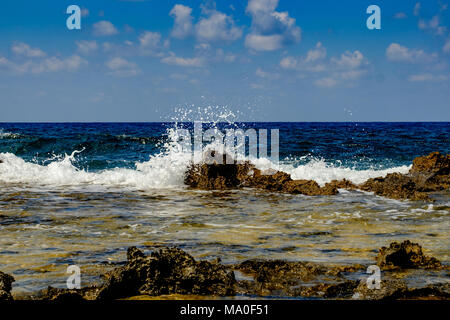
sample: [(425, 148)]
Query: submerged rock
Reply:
[(5, 286), (168, 271), (405, 255)]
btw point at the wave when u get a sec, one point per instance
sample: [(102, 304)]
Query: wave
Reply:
[(163, 170)]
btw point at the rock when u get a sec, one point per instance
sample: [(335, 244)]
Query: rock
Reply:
[(434, 163), (233, 176), (395, 186), (398, 290), (309, 188), (389, 289), (342, 184), (405, 255), (5, 286), (168, 271)]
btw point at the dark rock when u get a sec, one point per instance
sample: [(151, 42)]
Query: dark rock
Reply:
[(395, 186), (5, 286), (168, 271), (309, 188), (434, 163), (405, 255), (389, 289), (342, 184), (398, 290)]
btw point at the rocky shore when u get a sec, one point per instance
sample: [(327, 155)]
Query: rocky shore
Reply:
[(171, 271), (428, 174)]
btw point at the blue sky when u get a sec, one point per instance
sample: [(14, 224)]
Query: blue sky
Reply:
[(266, 60)]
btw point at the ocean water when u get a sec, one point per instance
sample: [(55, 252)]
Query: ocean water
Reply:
[(81, 193)]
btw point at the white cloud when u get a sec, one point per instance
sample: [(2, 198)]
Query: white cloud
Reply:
[(398, 53), (347, 67), (326, 82), (434, 25), (417, 9), (24, 49), (182, 62), (52, 64), (266, 75), (427, 77), (214, 26), (446, 47), (104, 28), (217, 27), (86, 47), (151, 40), (270, 30), (350, 60), (183, 26), (313, 61), (121, 67)]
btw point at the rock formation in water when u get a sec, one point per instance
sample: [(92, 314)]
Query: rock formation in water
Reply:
[(428, 173), (5, 286), (173, 271), (405, 255)]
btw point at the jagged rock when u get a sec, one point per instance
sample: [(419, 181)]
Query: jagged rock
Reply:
[(389, 289), (434, 163), (397, 289), (342, 184), (428, 173), (396, 186), (405, 255), (309, 188), (232, 176), (5, 286), (168, 271)]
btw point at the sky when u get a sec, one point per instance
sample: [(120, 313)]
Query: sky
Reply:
[(264, 60)]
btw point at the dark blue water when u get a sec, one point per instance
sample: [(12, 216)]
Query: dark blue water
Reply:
[(109, 145)]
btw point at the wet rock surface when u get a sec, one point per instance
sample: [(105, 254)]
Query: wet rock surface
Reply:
[(428, 174), (171, 271), (5, 286), (405, 255)]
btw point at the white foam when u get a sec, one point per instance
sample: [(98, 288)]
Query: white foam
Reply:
[(163, 170)]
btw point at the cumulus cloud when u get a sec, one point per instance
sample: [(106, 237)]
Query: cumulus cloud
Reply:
[(351, 60), (326, 82), (434, 24), (172, 59), (213, 26), (52, 64), (183, 26), (397, 53), (416, 10), (270, 30), (86, 47), (446, 47), (313, 61), (104, 28), (217, 27), (23, 49), (346, 67), (427, 77), (122, 67), (150, 39)]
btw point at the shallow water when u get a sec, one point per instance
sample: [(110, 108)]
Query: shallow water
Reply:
[(44, 231), (83, 193)]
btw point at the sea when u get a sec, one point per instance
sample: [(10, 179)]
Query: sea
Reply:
[(82, 193)]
